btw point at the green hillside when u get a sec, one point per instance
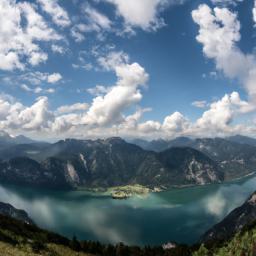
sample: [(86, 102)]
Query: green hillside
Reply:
[(243, 244)]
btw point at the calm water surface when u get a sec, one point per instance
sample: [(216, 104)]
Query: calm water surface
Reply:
[(180, 215)]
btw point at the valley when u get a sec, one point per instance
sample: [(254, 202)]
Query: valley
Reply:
[(91, 219), (189, 186)]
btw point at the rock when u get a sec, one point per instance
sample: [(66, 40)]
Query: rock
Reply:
[(10, 211)]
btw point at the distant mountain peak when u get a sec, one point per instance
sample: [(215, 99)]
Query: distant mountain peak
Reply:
[(114, 140), (242, 139), (6, 138), (5, 134)]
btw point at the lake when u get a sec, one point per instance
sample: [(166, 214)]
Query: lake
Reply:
[(180, 215)]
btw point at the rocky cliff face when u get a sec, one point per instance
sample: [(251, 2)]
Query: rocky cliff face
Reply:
[(10, 211), (239, 218)]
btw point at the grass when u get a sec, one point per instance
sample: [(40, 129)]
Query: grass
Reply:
[(27, 250), (243, 244)]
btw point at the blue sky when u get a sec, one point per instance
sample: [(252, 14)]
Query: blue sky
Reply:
[(151, 69)]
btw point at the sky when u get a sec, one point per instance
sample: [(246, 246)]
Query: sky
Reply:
[(136, 69)]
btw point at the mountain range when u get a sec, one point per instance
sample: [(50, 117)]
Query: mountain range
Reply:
[(70, 163)]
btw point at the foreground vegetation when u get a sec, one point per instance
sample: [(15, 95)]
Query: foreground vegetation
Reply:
[(242, 244)]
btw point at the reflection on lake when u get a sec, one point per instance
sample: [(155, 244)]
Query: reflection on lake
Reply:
[(180, 215)]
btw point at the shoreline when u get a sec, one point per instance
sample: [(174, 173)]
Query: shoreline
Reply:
[(107, 191), (147, 190)]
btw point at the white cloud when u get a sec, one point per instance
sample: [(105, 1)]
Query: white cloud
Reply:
[(37, 116), (95, 22), (149, 126), (131, 122), (57, 49), (219, 34), (37, 78), (19, 41), (199, 103), (218, 118), (37, 89), (72, 108), (96, 19), (98, 90), (54, 78), (106, 117), (86, 66), (28, 89), (76, 33), (58, 14), (219, 31), (108, 109), (17, 116), (112, 60), (50, 90), (175, 123), (37, 57), (143, 14)]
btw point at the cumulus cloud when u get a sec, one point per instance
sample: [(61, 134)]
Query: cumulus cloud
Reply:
[(19, 40), (98, 90), (72, 108), (54, 78), (143, 14), (175, 123), (58, 14), (221, 113), (149, 126), (108, 108), (219, 33), (105, 117), (17, 116)]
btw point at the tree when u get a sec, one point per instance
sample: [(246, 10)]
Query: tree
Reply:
[(75, 245)]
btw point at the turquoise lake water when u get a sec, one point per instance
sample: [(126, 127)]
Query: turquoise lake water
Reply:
[(180, 215)]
